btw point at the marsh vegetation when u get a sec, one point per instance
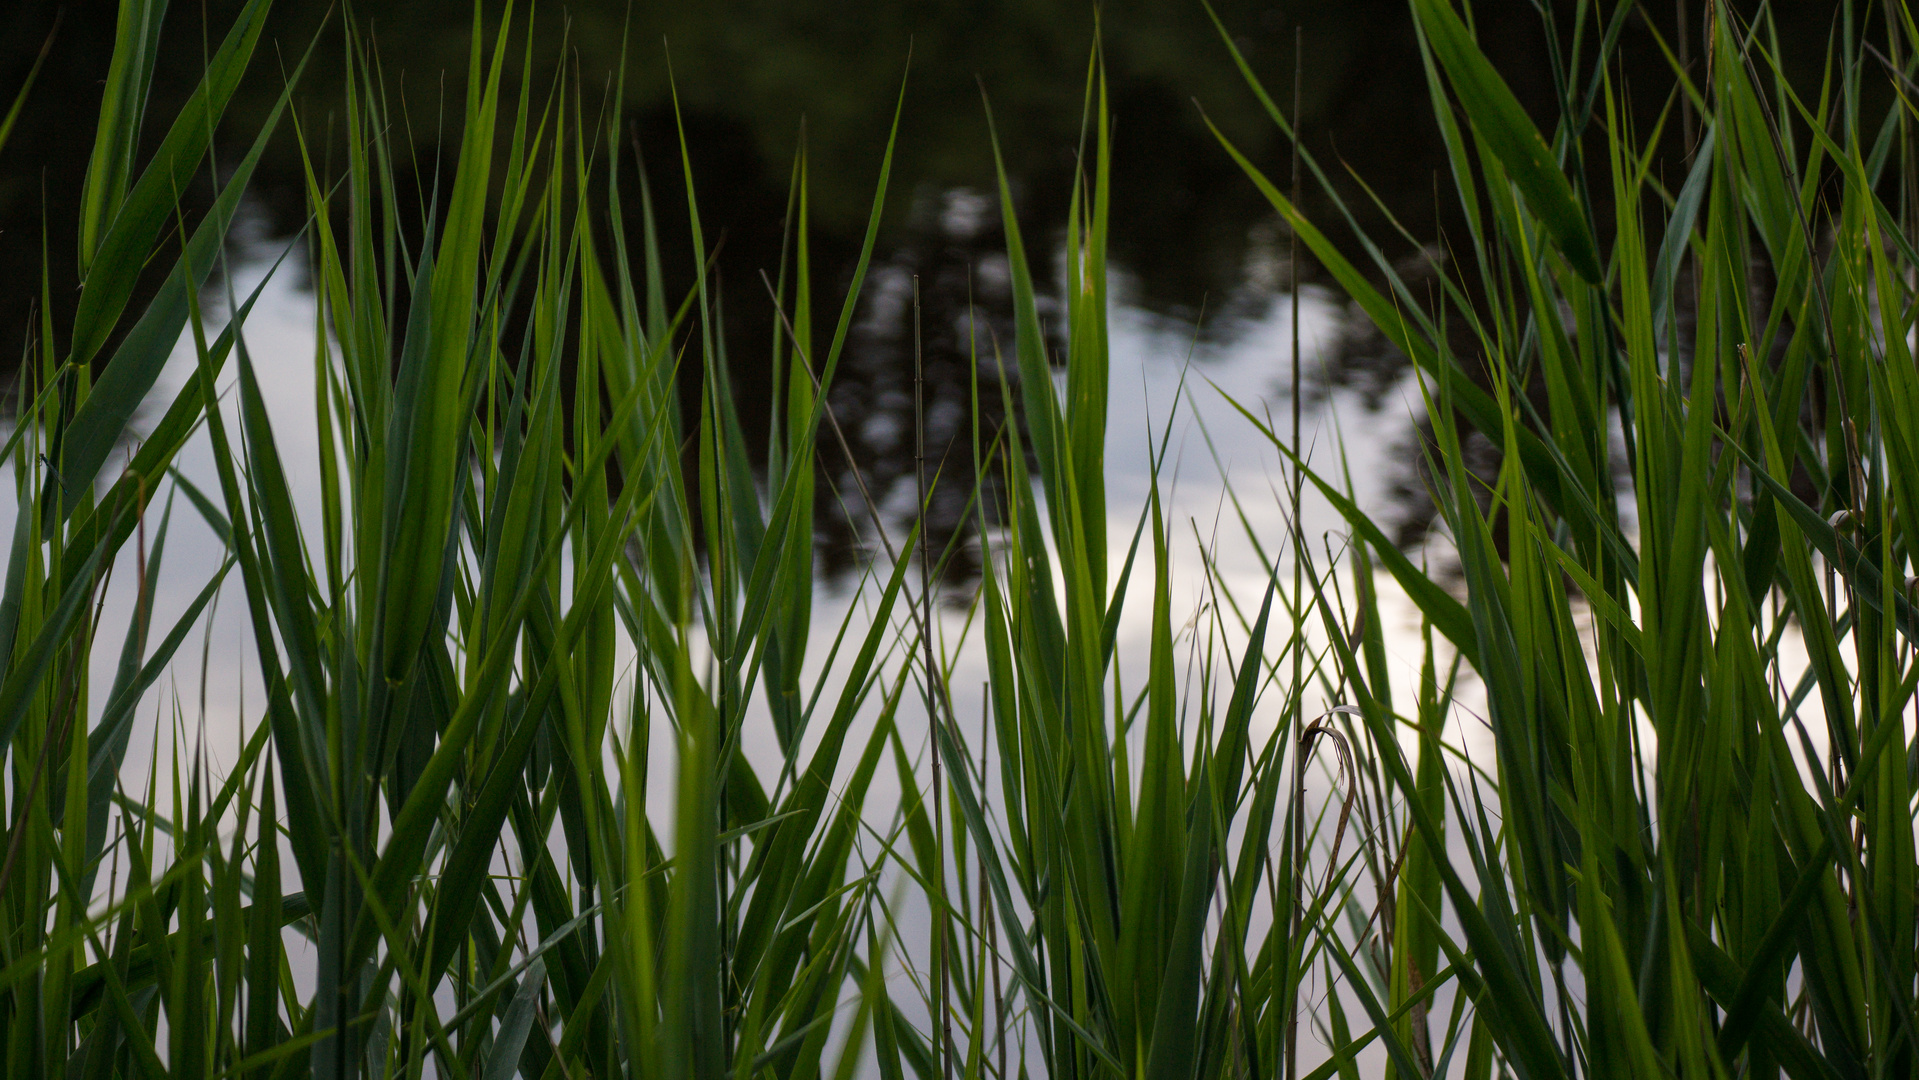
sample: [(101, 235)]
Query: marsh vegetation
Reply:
[(561, 760)]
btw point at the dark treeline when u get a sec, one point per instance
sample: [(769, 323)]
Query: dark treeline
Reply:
[(1190, 234)]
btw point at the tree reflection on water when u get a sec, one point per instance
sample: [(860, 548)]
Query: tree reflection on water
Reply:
[(1190, 235)]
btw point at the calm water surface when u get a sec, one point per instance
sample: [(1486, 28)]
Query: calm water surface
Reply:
[(1193, 241)]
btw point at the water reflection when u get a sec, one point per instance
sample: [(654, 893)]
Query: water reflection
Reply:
[(1196, 243)]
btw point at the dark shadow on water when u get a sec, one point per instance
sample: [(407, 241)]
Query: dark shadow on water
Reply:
[(1189, 231)]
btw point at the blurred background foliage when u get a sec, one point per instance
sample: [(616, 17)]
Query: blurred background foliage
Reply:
[(1190, 240), (749, 71)]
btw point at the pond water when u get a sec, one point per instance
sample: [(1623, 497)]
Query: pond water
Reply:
[(1163, 376), (1200, 263), (1222, 483), (1196, 244)]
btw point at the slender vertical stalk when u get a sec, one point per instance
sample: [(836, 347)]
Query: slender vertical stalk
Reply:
[(988, 920), (1296, 841), (1687, 126), (943, 1020)]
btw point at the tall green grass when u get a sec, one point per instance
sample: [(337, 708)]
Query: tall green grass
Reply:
[(543, 550), (1694, 852)]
